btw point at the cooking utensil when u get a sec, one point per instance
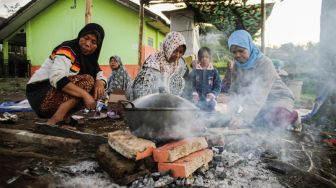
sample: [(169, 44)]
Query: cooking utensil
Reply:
[(162, 116)]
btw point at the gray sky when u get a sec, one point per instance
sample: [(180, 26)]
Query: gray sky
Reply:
[(3, 10)]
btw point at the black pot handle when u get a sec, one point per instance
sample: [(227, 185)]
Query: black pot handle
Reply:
[(124, 103)]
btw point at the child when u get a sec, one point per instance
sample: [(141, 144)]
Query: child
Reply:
[(205, 81)]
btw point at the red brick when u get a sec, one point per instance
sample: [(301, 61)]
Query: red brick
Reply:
[(173, 151), (185, 166), (129, 145)]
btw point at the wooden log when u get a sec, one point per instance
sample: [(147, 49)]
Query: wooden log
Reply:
[(224, 131), (88, 138), (330, 176), (88, 11), (290, 169), (141, 20), (121, 169), (12, 153), (45, 140)]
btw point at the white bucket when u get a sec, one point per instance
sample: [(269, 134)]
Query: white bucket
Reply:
[(296, 87)]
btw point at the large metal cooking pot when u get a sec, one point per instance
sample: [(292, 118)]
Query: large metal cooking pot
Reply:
[(161, 117)]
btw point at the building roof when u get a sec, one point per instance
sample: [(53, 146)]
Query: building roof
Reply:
[(2, 20), (34, 7)]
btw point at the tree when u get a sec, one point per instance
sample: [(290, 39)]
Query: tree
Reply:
[(327, 61)]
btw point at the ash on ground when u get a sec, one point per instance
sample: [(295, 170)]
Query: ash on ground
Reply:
[(83, 174)]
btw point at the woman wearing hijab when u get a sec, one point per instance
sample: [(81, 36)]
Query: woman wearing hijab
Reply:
[(119, 78), (69, 77), (258, 94), (163, 69)]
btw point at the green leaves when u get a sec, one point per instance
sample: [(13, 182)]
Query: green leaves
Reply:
[(230, 15)]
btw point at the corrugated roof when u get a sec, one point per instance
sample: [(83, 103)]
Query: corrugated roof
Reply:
[(24, 14), (34, 7)]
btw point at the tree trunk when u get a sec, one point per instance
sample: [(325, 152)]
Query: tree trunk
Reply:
[(328, 41), (327, 61)]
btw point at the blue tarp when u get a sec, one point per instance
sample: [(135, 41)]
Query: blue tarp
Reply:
[(21, 106)]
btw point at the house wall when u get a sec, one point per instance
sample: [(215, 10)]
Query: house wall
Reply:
[(60, 22)]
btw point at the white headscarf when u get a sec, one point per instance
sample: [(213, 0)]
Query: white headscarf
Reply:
[(159, 60)]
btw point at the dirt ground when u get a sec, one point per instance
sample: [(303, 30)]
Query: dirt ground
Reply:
[(306, 151)]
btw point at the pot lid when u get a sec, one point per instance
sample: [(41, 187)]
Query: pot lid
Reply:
[(162, 100)]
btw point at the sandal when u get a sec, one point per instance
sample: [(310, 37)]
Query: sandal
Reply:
[(76, 120), (113, 115), (97, 115), (58, 124)]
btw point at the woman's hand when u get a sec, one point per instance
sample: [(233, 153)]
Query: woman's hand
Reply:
[(78, 92), (99, 89), (89, 102)]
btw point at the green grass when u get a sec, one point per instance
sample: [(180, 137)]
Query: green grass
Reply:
[(306, 101), (221, 66), (12, 85)]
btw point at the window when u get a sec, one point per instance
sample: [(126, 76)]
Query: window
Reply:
[(150, 42)]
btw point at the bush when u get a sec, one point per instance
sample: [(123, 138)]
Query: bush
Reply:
[(221, 66)]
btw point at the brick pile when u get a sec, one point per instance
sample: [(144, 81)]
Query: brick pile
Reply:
[(130, 146), (181, 158), (184, 157)]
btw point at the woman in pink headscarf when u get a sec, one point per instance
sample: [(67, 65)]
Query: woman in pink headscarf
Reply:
[(163, 69)]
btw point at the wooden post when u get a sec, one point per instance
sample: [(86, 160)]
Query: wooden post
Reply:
[(141, 17), (88, 12), (5, 59), (263, 19)]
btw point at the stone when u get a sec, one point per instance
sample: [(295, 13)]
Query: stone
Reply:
[(130, 146)]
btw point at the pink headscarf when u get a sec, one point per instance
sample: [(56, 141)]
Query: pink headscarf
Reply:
[(159, 60)]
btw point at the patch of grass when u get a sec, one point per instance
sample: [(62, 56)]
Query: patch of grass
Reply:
[(306, 101), (12, 85), (221, 66)]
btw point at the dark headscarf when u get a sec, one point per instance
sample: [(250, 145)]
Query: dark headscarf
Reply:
[(88, 63)]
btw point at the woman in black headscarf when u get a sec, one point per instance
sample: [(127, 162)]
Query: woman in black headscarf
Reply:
[(69, 76)]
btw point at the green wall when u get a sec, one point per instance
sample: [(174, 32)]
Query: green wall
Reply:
[(59, 23)]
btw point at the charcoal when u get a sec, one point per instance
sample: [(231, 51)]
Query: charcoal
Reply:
[(198, 181), (164, 181)]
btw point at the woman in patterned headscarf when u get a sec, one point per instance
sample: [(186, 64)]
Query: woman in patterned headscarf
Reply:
[(165, 68), (119, 78)]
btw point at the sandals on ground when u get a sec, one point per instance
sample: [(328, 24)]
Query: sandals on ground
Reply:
[(58, 124), (70, 122), (113, 115)]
